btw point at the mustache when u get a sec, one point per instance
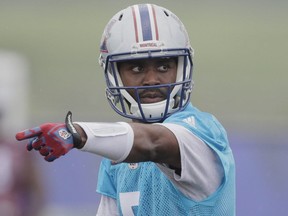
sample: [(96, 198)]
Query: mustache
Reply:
[(157, 92)]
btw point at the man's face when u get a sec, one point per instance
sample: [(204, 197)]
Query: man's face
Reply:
[(148, 72)]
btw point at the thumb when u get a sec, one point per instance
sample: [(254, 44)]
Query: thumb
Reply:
[(28, 133)]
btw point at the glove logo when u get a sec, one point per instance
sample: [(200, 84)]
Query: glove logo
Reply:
[(64, 134)]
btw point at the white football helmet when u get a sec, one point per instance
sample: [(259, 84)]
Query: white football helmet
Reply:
[(139, 32)]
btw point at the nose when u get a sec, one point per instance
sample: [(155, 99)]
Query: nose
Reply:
[(151, 77)]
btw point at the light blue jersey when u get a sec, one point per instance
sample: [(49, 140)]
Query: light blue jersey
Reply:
[(142, 189)]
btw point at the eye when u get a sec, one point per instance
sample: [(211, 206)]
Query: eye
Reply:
[(163, 68), (136, 69)]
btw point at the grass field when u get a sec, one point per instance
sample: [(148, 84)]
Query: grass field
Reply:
[(240, 60)]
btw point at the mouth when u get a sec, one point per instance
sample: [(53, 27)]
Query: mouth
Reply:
[(152, 98)]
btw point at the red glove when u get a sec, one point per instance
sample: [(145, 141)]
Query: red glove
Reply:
[(52, 140)]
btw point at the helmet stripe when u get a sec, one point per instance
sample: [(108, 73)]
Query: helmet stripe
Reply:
[(135, 25), (155, 22), (145, 22)]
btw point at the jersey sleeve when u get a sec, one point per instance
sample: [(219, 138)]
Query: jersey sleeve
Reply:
[(105, 183), (107, 206), (201, 170)]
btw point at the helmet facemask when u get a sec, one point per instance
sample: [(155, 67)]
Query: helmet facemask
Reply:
[(177, 93)]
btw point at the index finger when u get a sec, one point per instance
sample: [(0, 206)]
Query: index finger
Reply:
[(28, 133)]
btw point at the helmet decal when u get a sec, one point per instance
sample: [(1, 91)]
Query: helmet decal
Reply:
[(103, 46)]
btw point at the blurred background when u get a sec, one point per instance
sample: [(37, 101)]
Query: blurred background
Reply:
[(49, 57)]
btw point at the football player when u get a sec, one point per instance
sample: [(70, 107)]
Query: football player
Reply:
[(172, 158)]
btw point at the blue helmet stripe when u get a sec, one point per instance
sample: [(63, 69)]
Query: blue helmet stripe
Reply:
[(145, 22)]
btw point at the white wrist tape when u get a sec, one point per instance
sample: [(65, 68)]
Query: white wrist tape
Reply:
[(111, 140)]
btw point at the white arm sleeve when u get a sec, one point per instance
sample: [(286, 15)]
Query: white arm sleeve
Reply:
[(201, 169), (107, 206), (111, 140)]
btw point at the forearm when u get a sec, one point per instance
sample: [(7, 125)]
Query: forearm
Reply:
[(153, 142), (131, 142)]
